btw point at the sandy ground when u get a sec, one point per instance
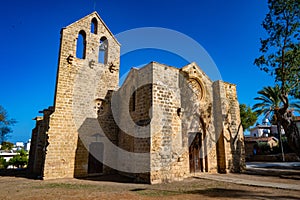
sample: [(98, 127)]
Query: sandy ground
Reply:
[(18, 187)]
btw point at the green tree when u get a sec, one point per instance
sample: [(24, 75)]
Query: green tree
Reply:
[(248, 117), (281, 58), (270, 103), (7, 146), (264, 147), (19, 160), (5, 124), (269, 100), (3, 163)]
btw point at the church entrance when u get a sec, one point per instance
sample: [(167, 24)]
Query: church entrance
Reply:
[(197, 153), (95, 165), (196, 162)]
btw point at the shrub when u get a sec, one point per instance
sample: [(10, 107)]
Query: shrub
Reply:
[(19, 160), (264, 147), (3, 163)]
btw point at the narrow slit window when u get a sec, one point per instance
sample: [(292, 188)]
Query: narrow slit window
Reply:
[(103, 46), (94, 26), (81, 45), (133, 100)]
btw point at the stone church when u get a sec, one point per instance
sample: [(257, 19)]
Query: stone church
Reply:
[(163, 124)]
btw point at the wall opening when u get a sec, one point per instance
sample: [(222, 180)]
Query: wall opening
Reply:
[(221, 157), (81, 45), (95, 166), (196, 160), (94, 26), (133, 102), (103, 47)]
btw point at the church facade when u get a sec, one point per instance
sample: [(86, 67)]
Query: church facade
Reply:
[(163, 124)]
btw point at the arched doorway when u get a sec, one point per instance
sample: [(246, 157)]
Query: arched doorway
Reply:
[(196, 160)]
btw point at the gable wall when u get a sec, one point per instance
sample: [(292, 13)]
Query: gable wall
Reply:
[(199, 114), (79, 83)]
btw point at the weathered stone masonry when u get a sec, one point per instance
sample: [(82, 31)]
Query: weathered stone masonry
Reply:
[(178, 119)]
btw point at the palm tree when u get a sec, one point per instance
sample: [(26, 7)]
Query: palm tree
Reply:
[(270, 103)]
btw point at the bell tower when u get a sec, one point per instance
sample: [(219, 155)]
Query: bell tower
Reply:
[(88, 68)]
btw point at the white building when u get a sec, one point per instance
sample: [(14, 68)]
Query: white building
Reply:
[(265, 129), (19, 145), (27, 145), (7, 155)]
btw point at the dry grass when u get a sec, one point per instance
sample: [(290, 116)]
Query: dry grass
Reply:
[(13, 187)]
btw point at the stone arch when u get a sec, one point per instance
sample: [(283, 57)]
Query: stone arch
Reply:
[(197, 86), (198, 158)]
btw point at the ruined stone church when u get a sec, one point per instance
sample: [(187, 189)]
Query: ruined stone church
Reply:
[(162, 124)]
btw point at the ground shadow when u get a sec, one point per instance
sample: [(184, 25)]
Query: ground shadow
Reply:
[(117, 178), (23, 173), (237, 194), (213, 193)]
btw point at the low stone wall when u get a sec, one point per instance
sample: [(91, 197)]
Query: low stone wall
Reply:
[(291, 157)]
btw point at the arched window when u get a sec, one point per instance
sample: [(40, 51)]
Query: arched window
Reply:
[(81, 45), (102, 57), (94, 25)]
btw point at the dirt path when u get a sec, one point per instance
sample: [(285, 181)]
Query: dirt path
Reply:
[(191, 188)]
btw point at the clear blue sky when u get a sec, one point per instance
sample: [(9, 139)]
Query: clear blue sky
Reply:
[(229, 30)]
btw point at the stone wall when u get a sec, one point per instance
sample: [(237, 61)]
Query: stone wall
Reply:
[(234, 131), (219, 116), (39, 143), (135, 110), (80, 84), (36, 149), (169, 155), (198, 115), (229, 132), (143, 129)]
